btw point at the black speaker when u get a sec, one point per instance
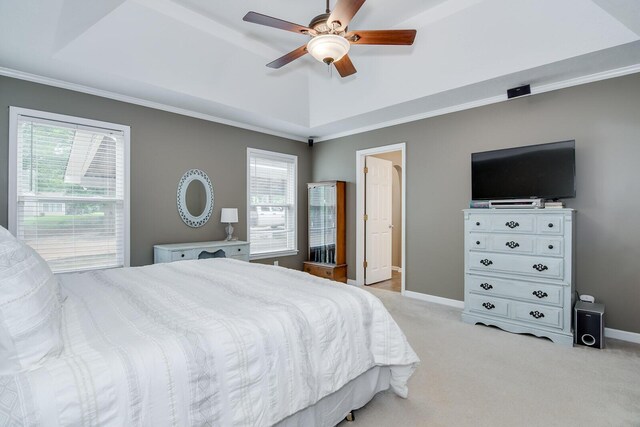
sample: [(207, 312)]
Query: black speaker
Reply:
[(589, 324), (310, 141), (519, 91)]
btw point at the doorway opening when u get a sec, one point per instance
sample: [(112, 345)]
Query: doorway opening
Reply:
[(380, 217)]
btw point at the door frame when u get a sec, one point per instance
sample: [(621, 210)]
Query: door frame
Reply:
[(360, 192)]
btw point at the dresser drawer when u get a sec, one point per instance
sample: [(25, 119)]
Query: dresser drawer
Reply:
[(328, 271), (518, 264), (548, 294), (513, 223), (479, 223), (550, 224), (538, 314), (488, 305), (550, 246), (232, 251), (477, 242), (183, 255), (512, 243)]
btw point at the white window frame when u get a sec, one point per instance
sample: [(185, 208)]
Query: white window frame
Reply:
[(287, 157), (14, 112)]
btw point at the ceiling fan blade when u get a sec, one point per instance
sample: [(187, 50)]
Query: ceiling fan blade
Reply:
[(345, 66), (344, 11), (291, 56), (269, 21), (387, 37)]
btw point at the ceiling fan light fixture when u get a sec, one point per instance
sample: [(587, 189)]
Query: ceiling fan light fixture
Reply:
[(328, 48)]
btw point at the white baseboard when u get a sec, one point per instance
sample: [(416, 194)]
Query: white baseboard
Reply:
[(608, 332), (398, 269), (352, 282), (622, 335), (432, 298)]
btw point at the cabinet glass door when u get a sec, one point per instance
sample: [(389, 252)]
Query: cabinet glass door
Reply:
[(322, 224)]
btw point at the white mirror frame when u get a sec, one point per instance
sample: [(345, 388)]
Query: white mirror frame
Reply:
[(187, 178)]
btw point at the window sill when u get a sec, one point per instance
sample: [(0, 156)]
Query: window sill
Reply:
[(266, 255)]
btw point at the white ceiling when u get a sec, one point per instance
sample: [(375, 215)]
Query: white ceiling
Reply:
[(198, 57)]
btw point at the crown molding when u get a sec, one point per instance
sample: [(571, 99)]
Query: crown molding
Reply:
[(8, 72), (618, 72), (591, 78)]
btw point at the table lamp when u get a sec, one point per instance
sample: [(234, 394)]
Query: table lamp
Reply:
[(229, 216)]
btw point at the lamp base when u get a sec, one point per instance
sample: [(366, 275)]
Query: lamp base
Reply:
[(229, 230)]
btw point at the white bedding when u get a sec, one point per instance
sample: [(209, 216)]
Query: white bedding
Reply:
[(208, 342)]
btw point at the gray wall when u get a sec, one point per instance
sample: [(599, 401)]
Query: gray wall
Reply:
[(603, 118), (163, 147), (395, 157)]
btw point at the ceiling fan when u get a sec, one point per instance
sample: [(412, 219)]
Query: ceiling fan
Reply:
[(330, 36)]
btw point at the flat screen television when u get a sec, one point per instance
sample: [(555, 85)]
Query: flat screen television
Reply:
[(544, 171)]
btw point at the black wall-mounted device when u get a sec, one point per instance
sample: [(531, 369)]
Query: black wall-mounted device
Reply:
[(310, 142), (519, 91)]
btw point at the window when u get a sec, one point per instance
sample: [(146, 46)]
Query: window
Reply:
[(69, 189), (271, 188)]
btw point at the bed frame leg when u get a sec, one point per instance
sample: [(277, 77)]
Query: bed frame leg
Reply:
[(351, 416)]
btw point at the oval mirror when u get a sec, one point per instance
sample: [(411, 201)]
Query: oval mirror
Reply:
[(195, 198)]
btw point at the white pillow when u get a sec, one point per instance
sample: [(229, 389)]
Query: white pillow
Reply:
[(30, 311), (4, 234)]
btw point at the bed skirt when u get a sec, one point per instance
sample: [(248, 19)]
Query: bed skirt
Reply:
[(332, 409)]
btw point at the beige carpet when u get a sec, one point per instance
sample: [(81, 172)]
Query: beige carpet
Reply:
[(482, 376)]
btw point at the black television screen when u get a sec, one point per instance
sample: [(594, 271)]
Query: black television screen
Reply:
[(546, 171)]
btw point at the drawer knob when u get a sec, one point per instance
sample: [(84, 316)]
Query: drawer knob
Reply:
[(239, 249), (486, 262), (512, 244), (478, 224), (540, 267), (486, 286), (477, 242), (550, 225), (488, 305), (182, 255), (540, 294), (536, 314), (550, 246), (512, 224)]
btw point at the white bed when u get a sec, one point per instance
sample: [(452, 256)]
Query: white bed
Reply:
[(211, 342)]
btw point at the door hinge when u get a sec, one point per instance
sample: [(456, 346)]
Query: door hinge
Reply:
[(365, 264), (365, 217), (365, 170)]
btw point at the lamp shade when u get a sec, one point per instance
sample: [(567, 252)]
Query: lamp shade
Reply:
[(328, 48), (229, 215)]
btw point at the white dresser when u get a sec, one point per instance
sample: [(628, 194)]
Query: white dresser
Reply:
[(235, 249), (519, 270)]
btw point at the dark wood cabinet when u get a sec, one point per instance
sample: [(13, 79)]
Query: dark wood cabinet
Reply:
[(327, 234)]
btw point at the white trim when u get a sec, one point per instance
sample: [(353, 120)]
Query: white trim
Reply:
[(360, 157), (276, 155), (398, 269), (591, 78), (622, 335), (20, 75), (267, 255), (617, 334), (432, 298), (14, 112), (352, 282)]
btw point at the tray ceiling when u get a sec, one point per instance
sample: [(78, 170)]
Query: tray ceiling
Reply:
[(200, 58)]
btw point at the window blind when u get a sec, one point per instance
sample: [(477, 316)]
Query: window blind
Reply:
[(272, 202), (70, 203)]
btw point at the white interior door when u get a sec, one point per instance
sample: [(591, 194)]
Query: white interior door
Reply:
[(378, 205)]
